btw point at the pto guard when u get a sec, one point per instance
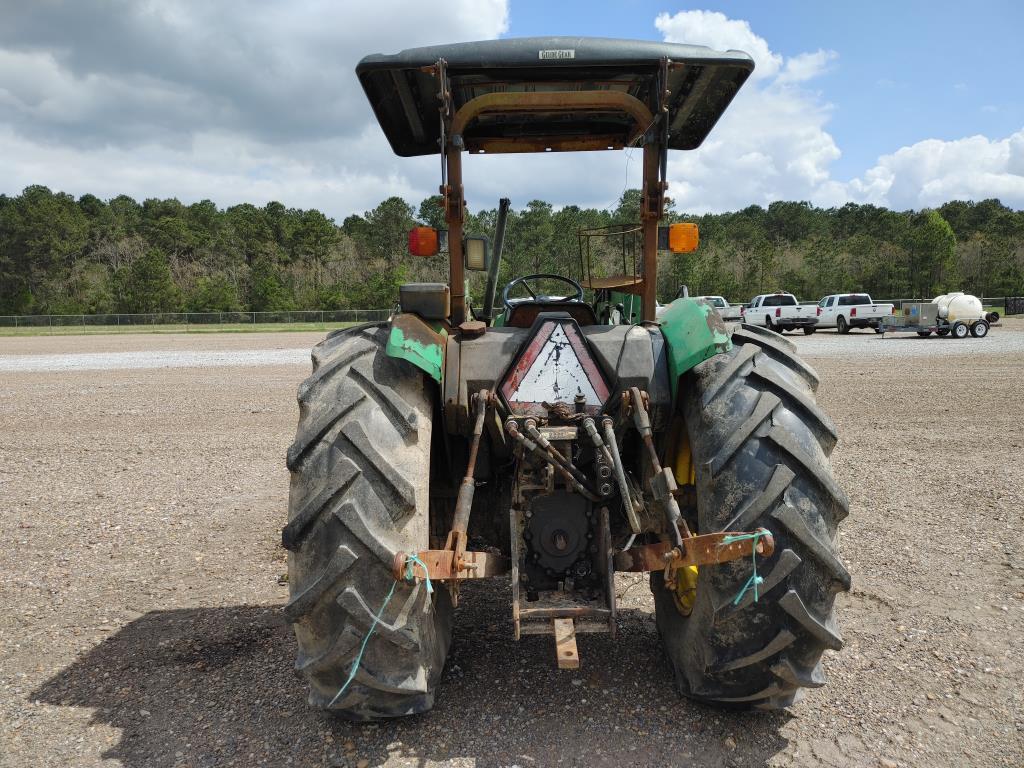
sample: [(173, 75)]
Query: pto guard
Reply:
[(693, 332)]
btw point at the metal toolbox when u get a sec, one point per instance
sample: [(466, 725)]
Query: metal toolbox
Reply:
[(921, 313)]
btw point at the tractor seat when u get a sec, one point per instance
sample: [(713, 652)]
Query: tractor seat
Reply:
[(525, 311)]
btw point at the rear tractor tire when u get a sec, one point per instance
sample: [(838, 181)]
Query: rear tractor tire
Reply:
[(761, 450), (359, 494)]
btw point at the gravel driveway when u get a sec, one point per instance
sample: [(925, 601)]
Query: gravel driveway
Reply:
[(141, 511)]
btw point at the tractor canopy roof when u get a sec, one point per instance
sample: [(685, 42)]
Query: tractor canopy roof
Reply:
[(577, 93)]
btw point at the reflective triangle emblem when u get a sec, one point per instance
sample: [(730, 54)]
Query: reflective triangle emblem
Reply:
[(555, 367)]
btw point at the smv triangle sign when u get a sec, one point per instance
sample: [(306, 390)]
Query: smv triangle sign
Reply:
[(555, 367)]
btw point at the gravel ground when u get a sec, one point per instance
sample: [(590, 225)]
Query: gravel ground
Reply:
[(142, 627), (123, 361)]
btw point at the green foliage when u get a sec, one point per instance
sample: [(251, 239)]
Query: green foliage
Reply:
[(216, 293), (431, 212), (146, 285), (62, 255), (267, 291), (41, 235), (931, 246)]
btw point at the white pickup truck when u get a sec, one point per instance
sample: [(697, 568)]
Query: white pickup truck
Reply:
[(844, 311), (725, 309), (780, 312)]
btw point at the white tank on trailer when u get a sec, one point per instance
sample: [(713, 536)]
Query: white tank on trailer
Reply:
[(959, 306)]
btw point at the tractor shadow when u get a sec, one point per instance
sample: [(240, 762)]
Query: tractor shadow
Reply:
[(215, 686)]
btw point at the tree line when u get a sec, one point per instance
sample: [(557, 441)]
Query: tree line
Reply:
[(62, 255)]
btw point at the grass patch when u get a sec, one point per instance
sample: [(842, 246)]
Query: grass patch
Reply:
[(89, 330)]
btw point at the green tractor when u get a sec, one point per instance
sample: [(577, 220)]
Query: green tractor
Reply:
[(570, 435)]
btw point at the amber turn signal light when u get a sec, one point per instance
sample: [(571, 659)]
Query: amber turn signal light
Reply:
[(423, 241), (683, 237)]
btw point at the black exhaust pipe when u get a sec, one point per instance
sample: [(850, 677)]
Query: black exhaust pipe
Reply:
[(492, 272)]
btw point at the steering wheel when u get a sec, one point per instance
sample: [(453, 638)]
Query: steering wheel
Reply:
[(525, 282)]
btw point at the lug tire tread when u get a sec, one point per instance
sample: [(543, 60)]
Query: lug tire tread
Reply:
[(360, 494), (761, 446)]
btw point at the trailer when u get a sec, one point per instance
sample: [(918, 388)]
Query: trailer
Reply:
[(951, 314)]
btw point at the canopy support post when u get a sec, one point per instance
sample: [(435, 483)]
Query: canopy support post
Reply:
[(652, 206)]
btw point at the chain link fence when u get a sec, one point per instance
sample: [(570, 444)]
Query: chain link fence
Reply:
[(1003, 305), (196, 318)]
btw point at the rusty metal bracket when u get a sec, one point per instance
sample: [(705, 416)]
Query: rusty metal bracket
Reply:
[(444, 110), (440, 567), (706, 549), (663, 481), (457, 537)]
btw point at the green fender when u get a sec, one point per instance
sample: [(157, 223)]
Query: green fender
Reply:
[(423, 345), (693, 332)]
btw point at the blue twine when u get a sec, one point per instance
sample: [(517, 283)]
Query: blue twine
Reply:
[(409, 575), (414, 560), (754, 581)]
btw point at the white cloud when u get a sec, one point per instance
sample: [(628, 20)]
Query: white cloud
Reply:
[(718, 31), (237, 102), (806, 66), (225, 168), (931, 172), (771, 144), (256, 102)]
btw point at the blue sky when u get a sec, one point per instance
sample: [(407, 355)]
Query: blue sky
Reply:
[(905, 71), (902, 104)]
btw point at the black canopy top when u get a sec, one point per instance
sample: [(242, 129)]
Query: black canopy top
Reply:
[(404, 96)]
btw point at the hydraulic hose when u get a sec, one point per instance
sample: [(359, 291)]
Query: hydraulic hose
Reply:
[(620, 475)]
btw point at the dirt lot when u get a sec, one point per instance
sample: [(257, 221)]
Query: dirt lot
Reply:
[(140, 521)]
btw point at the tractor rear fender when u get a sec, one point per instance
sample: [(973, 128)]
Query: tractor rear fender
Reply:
[(693, 332), (629, 356), (421, 343)]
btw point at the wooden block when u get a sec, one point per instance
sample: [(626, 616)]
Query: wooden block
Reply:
[(565, 644)]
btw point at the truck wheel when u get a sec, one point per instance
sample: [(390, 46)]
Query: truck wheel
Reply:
[(841, 325), (979, 330), (359, 494), (960, 330), (760, 448), (925, 334), (808, 330), (769, 324)]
